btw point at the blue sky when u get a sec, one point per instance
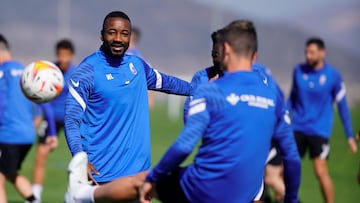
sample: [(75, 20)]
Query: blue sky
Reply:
[(335, 20)]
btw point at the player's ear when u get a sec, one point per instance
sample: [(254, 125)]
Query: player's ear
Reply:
[(227, 48), (322, 53), (254, 58)]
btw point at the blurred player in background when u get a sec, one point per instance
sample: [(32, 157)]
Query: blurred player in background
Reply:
[(64, 50), (316, 86), (17, 130), (133, 50), (107, 113)]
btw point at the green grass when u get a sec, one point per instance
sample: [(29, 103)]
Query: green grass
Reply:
[(342, 165)]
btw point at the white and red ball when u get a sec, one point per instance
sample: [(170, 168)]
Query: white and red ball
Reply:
[(41, 81)]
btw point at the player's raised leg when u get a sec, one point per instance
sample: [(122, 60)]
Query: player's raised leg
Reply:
[(80, 191)]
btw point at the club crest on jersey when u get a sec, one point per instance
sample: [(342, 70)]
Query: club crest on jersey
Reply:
[(322, 79), (132, 68), (305, 76)]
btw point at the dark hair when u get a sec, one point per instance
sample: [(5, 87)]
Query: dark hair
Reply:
[(243, 24), (114, 14), (65, 44), (137, 32), (317, 41), (4, 42), (216, 37), (242, 39)]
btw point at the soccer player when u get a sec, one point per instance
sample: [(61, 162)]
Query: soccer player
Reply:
[(226, 114), (207, 74), (64, 50), (107, 112), (16, 125), (133, 50), (316, 85)]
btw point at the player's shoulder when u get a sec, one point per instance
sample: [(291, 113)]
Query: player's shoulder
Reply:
[(8, 65), (261, 68), (136, 60), (201, 75), (331, 69)]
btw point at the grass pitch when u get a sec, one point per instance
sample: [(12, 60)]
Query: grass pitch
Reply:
[(343, 166)]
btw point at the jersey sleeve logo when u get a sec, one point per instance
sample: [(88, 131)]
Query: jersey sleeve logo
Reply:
[(75, 84)]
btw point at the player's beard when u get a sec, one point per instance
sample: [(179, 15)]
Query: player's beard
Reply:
[(108, 48), (313, 63)]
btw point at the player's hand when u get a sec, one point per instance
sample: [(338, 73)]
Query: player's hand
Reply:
[(139, 179), (352, 145), (357, 137), (146, 192), (91, 168), (52, 142)]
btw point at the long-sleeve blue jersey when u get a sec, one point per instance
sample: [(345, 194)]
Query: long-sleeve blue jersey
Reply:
[(202, 77), (58, 104), (107, 112), (16, 111), (311, 100), (236, 117)]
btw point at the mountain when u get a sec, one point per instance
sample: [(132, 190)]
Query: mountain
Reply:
[(175, 35)]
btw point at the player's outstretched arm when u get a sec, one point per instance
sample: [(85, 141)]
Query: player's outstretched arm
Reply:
[(164, 83), (284, 138), (339, 94)]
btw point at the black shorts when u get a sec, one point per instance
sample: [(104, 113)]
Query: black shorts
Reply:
[(43, 128), (319, 146), (12, 156), (169, 189), (274, 157)]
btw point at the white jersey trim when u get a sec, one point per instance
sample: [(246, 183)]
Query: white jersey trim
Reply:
[(341, 94), (261, 192), (158, 79), (77, 97)]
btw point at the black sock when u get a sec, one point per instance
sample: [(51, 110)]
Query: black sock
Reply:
[(31, 198)]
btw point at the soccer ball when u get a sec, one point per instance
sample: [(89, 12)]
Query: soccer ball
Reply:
[(41, 81)]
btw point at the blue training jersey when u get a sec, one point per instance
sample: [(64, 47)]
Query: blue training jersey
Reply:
[(16, 111), (58, 104), (311, 100), (202, 77), (229, 166), (107, 112)]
